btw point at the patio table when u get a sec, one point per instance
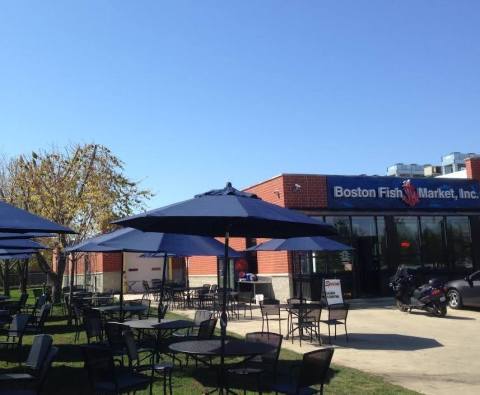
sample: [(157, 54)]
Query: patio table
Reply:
[(212, 348), (165, 328), (127, 308), (297, 311)]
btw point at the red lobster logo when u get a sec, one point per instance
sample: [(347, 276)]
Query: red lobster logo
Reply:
[(410, 194)]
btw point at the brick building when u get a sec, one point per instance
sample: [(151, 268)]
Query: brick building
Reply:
[(429, 223)]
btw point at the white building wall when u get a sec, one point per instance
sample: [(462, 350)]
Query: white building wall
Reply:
[(138, 269)]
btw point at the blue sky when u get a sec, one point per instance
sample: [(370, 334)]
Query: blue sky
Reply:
[(191, 94)]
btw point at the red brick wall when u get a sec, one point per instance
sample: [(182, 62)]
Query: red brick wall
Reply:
[(271, 191), (473, 168), (312, 191), (111, 261)]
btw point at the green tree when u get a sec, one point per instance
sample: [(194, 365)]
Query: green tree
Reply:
[(82, 186)]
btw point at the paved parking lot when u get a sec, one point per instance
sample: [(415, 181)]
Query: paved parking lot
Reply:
[(427, 354)]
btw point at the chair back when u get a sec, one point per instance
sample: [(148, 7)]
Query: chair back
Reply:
[(18, 325), (42, 317), (213, 288), (207, 329), (47, 364), (41, 300), (338, 313), (131, 347), (269, 309), (99, 364), (313, 314), (162, 311), (146, 302), (37, 292), (38, 352), (92, 322), (146, 287), (23, 300), (201, 315), (114, 332), (272, 339), (315, 367)]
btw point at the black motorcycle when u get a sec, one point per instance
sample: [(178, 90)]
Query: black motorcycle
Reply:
[(429, 297)]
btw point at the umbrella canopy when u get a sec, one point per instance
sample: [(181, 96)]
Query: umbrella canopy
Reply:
[(16, 256), (13, 219), (10, 251), (316, 243), (228, 210), (28, 235), (21, 244), (133, 240)]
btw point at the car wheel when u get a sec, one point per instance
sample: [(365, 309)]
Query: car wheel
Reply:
[(454, 299)]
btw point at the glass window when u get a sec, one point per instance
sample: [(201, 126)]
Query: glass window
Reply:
[(342, 224), (432, 242), (408, 240), (382, 242), (459, 243), (363, 226)]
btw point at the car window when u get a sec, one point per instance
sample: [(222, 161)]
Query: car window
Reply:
[(475, 276)]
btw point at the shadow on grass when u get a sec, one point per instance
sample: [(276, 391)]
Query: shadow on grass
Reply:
[(387, 341), (58, 329)]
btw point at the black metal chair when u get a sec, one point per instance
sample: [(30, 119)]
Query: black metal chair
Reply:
[(37, 323), (271, 312), (244, 301), (206, 331), (114, 334), (39, 384), (35, 361), (106, 378), (337, 315), (14, 334), (200, 316), (259, 365), (135, 363), (308, 322), (314, 370), (93, 325), (162, 311)]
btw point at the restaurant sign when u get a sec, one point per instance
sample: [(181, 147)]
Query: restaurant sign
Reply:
[(363, 192)]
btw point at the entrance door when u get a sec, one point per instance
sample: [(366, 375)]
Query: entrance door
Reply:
[(367, 267)]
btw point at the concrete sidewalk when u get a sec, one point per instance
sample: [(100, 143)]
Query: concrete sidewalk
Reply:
[(427, 354)]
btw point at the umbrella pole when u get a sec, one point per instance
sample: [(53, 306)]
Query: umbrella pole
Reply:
[(187, 274), (223, 318), (70, 291), (121, 290), (164, 277)]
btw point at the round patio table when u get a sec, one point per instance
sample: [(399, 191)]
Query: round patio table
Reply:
[(233, 348), (212, 348), (127, 308), (165, 328)]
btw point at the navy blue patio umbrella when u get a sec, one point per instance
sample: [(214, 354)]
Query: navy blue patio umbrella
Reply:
[(28, 235), (20, 244), (20, 256), (316, 243), (302, 244), (133, 240), (13, 219), (10, 251), (227, 213)]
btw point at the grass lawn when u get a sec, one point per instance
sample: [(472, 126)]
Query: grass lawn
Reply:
[(69, 377)]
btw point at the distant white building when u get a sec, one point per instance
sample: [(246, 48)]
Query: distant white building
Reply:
[(451, 164)]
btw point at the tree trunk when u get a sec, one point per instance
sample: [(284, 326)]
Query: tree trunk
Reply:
[(6, 272), (22, 269), (54, 278)]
